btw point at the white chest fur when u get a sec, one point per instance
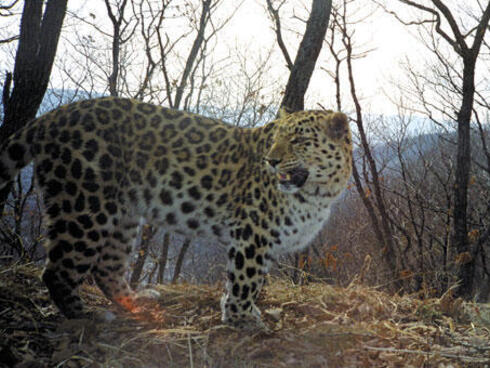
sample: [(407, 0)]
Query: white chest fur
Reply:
[(308, 221)]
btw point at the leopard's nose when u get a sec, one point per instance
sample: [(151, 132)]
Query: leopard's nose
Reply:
[(273, 161)]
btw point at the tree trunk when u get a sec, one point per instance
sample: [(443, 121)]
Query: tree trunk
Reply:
[(162, 263), (309, 49), (382, 227), (180, 260), (147, 234), (465, 258), (198, 41), (465, 261), (116, 44), (306, 57), (39, 35)]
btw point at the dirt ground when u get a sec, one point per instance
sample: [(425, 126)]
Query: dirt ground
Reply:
[(316, 325)]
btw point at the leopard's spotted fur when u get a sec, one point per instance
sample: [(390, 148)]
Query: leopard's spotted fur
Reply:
[(104, 163)]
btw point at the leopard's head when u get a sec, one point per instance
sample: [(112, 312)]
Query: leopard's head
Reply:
[(311, 151)]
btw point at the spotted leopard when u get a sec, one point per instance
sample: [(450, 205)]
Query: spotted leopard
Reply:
[(102, 164)]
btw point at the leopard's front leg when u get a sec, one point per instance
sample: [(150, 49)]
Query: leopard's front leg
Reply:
[(248, 262)]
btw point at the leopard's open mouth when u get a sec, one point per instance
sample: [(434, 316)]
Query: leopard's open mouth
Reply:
[(296, 177)]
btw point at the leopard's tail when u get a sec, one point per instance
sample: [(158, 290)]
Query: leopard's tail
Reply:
[(15, 153)]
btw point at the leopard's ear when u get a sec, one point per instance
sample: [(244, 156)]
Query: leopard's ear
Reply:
[(283, 112), (338, 125)]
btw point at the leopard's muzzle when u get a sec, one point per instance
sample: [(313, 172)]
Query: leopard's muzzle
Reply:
[(292, 179)]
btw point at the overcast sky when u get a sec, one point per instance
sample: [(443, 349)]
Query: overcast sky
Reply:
[(251, 29)]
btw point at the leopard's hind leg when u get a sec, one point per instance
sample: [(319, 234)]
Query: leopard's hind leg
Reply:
[(72, 251), (96, 241), (81, 215), (112, 263)]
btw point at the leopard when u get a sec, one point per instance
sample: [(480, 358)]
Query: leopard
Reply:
[(103, 164)]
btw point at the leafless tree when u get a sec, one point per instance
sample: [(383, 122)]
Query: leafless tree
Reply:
[(180, 260), (146, 236), (102, 50), (308, 51), (37, 44), (247, 95), (366, 171), (466, 43), (35, 56), (7, 10), (300, 72), (178, 81), (120, 26), (162, 262)]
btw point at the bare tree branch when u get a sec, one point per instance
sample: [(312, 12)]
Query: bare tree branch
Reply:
[(437, 19), (10, 39), (207, 6), (116, 44), (277, 22), (5, 10)]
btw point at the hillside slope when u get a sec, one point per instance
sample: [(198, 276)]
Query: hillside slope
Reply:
[(312, 326)]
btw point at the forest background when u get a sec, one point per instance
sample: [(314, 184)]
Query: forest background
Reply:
[(411, 75)]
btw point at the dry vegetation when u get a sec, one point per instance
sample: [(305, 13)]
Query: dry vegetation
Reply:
[(312, 326)]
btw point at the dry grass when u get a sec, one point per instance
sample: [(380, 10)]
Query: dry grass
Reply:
[(312, 326)]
